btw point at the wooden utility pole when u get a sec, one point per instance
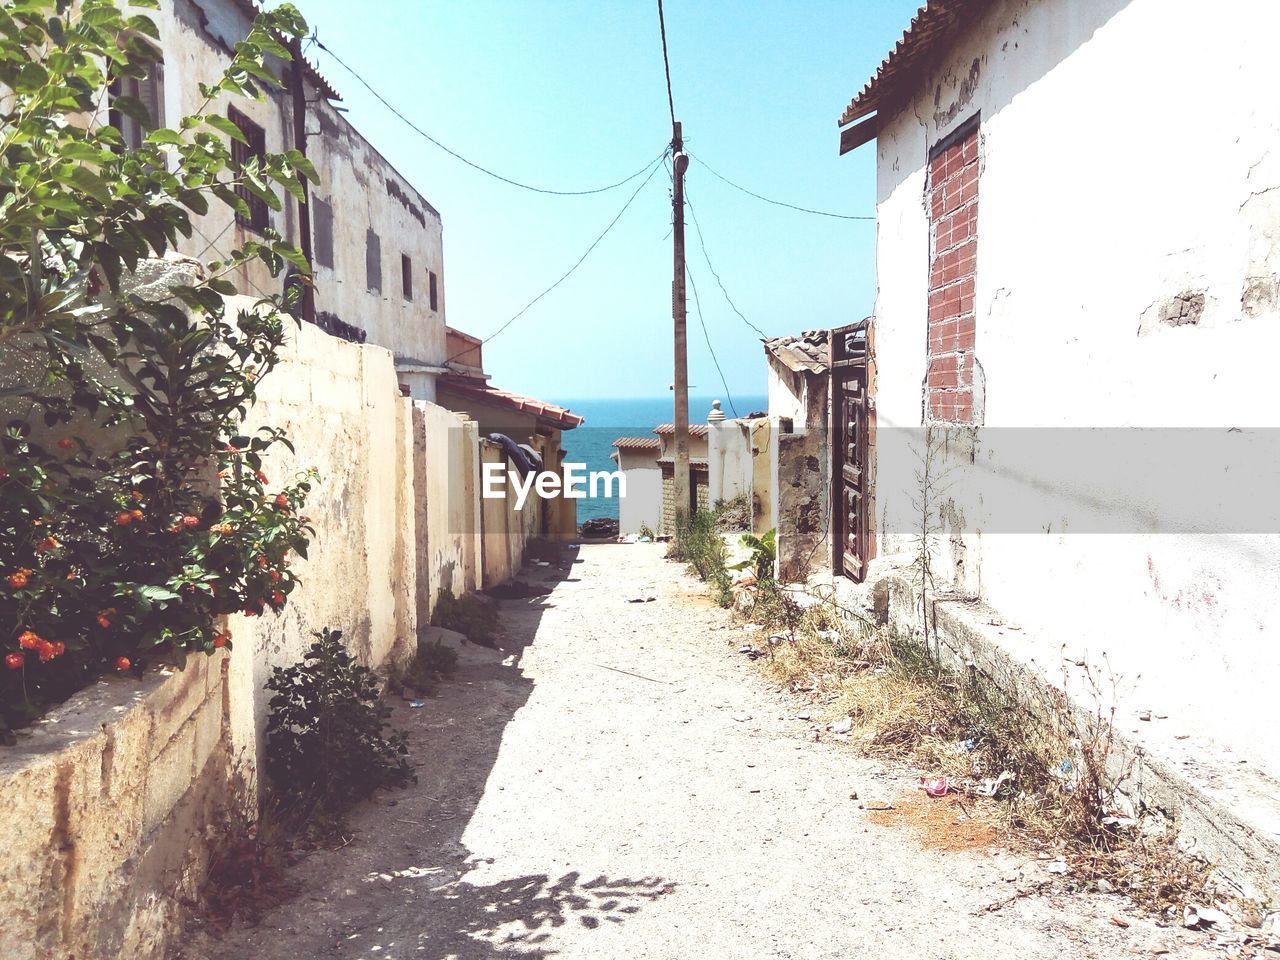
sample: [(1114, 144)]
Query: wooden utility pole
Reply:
[(296, 71), (682, 489)]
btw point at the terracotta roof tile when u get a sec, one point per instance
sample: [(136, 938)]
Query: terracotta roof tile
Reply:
[(669, 429), (559, 416), (637, 443)]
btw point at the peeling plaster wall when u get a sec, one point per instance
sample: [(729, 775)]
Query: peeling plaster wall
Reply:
[(363, 189), (507, 531), (108, 806), (1127, 259)]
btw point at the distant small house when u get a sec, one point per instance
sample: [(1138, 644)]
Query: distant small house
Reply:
[(637, 459), (799, 413), (464, 388)]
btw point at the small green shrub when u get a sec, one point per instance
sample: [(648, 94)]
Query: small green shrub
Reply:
[(698, 543), (764, 553), (467, 615), (647, 531), (327, 739)]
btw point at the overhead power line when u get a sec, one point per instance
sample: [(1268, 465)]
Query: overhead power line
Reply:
[(666, 62), (702, 243), (776, 203), (653, 168), (714, 359), (457, 156)]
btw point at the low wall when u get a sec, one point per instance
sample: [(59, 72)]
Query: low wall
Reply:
[(107, 805), (110, 798), (1220, 810)]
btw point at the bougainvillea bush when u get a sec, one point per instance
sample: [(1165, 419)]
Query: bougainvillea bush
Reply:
[(133, 512)]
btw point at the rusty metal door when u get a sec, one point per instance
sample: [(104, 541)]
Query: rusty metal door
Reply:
[(851, 448)]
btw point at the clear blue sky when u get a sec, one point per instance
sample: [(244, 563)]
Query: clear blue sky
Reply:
[(571, 95)]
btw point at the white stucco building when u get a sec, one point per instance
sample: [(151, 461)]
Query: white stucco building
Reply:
[(377, 248), (1078, 206)]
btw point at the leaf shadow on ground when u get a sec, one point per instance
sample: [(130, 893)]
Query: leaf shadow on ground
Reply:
[(401, 885)]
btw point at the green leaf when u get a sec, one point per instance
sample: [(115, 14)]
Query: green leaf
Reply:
[(226, 126)]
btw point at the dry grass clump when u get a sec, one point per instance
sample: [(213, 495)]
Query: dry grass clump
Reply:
[(1034, 767)]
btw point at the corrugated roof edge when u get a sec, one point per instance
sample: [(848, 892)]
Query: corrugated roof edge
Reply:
[(935, 24)]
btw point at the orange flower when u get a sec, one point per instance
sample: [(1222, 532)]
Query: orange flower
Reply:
[(123, 519), (277, 597), (47, 545), (66, 443), (262, 563), (122, 663), (137, 496), (103, 622), (190, 521), (262, 477), (275, 576), (282, 501), (45, 649), (14, 661), (18, 580), (59, 648), (136, 514), (220, 640), (28, 640)]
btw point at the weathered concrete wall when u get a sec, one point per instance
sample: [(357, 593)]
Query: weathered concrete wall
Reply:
[(1118, 283), (800, 485), (506, 531), (446, 459), (763, 518), (109, 804), (729, 467), (341, 406)]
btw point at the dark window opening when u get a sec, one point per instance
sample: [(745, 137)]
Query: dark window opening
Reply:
[(406, 276), (372, 262), (431, 290), (322, 222), (246, 155), (145, 105)]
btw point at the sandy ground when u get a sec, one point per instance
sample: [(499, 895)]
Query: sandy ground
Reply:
[(620, 782)]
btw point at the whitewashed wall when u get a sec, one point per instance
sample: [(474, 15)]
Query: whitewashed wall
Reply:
[(1128, 156)]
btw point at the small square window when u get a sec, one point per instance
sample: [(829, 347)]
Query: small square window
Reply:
[(406, 276), (247, 154), (431, 290)]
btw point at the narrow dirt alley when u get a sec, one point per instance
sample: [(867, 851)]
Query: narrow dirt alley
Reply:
[(620, 782)]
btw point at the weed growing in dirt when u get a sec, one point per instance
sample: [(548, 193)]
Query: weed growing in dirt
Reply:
[(698, 543), (1031, 764), (327, 739), (469, 615)]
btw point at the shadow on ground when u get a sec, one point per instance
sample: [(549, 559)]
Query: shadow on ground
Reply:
[(400, 885)]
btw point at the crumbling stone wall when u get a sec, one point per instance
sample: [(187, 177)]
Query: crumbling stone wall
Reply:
[(110, 806)]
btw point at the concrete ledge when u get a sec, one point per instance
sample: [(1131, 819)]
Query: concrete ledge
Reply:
[(108, 801), (1222, 812)]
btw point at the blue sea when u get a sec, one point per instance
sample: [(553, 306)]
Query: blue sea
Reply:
[(609, 419)]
